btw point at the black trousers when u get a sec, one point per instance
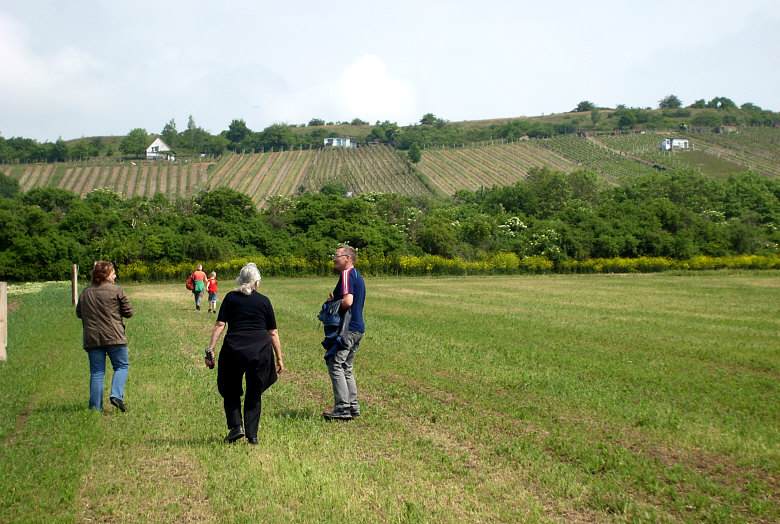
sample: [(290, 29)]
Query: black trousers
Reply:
[(260, 372)]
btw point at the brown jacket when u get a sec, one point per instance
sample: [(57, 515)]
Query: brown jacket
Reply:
[(101, 309)]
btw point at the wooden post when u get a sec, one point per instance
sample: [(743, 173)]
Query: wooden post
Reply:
[(3, 320), (75, 282)]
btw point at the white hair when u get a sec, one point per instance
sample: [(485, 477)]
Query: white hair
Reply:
[(248, 278)]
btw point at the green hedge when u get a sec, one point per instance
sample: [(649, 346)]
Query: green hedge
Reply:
[(433, 265)]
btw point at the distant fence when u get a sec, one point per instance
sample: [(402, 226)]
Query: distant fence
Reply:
[(526, 139), (102, 160)]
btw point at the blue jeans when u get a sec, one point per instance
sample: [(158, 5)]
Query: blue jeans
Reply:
[(340, 365), (97, 373)]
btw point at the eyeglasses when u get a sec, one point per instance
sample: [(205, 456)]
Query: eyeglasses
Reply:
[(337, 256)]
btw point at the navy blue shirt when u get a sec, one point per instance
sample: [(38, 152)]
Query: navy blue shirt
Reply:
[(351, 283)]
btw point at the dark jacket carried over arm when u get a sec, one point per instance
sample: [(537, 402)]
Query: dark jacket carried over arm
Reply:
[(336, 325), (101, 310)]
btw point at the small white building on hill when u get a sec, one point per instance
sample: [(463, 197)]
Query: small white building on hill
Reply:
[(159, 150), (668, 144), (340, 142)]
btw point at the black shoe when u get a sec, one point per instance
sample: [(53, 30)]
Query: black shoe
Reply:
[(197, 308), (117, 402), (355, 414), (252, 440), (235, 434), (338, 415)]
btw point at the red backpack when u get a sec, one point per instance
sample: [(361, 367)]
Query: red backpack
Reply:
[(190, 284)]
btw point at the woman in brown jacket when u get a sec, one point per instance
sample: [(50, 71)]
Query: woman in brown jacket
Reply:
[(101, 308)]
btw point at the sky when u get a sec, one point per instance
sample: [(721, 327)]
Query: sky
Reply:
[(86, 68)]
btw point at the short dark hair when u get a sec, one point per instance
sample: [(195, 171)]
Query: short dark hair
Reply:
[(100, 272)]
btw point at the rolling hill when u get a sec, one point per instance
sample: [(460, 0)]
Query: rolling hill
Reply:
[(440, 172)]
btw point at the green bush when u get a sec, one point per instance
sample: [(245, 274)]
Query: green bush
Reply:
[(435, 265)]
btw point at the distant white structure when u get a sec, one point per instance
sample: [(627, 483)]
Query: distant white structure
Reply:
[(667, 144), (159, 150), (340, 142)]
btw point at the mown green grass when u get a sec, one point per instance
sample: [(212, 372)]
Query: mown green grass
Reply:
[(514, 399), (711, 165)]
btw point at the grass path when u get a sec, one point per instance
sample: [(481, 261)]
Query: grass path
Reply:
[(510, 399)]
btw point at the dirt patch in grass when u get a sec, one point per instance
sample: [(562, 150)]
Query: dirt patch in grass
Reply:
[(21, 422), (718, 469), (307, 385), (114, 491), (506, 481)]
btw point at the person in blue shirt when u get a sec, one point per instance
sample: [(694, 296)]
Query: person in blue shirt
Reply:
[(351, 291)]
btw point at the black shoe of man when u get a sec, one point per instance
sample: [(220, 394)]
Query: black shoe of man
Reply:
[(235, 434), (338, 415)]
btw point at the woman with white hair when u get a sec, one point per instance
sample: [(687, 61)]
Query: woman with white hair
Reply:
[(251, 341)]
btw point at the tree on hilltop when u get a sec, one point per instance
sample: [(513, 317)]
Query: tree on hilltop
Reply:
[(170, 134), (721, 102), (431, 119), (237, 132), (584, 106), (59, 151), (194, 138), (135, 143), (384, 132), (669, 102), (83, 150), (277, 136)]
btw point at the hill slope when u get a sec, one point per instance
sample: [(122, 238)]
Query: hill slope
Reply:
[(441, 171)]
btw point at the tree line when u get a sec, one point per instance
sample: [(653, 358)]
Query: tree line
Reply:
[(430, 131), (551, 214)]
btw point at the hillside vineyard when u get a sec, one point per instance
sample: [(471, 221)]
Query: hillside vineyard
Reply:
[(380, 168)]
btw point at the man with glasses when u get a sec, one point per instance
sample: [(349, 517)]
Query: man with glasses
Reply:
[(351, 291)]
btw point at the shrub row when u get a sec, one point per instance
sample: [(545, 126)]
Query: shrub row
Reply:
[(434, 265), (658, 264)]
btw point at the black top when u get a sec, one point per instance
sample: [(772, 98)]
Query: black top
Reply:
[(247, 346), (251, 312)]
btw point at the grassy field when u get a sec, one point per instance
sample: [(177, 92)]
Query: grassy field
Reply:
[(493, 399), (711, 165)]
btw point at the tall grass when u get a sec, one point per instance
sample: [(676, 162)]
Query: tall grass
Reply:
[(499, 398)]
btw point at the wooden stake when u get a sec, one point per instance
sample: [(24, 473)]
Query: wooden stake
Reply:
[(3, 320), (75, 281)]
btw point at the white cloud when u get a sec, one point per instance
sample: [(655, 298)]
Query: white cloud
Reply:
[(21, 70), (366, 89), (363, 88), (67, 84)]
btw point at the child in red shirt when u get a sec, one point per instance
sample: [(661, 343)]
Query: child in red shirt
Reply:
[(212, 289)]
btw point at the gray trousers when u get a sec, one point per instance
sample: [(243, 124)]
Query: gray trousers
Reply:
[(340, 370)]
